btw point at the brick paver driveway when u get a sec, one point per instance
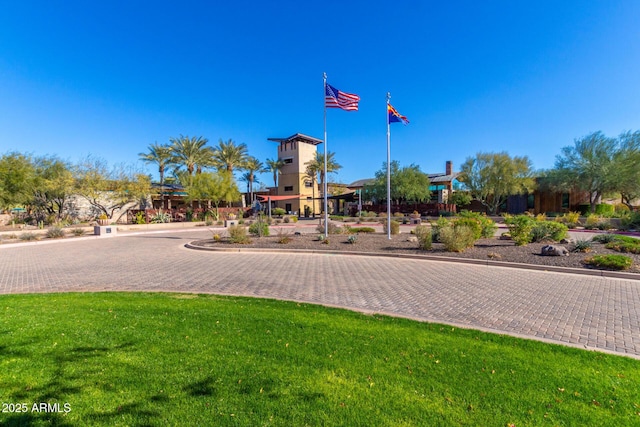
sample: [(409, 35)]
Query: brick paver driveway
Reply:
[(591, 312)]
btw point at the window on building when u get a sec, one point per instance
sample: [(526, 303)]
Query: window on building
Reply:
[(288, 188), (308, 184), (565, 200), (288, 161)]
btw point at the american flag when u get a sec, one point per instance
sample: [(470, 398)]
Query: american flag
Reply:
[(335, 98)]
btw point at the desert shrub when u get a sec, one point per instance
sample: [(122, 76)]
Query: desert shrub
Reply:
[(362, 230), (398, 215), (520, 227), (140, 218), (161, 217), (332, 228), (612, 261), (216, 237), (605, 209), (278, 211), (582, 246), (55, 233), (632, 221), (483, 227), (592, 221), (605, 238), (570, 219), (425, 237), (238, 234), (283, 236), (457, 239), (78, 231), (541, 217), (624, 244), (370, 214), (259, 228), (352, 239), (27, 236), (437, 226), (548, 230), (395, 227), (286, 219), (382, 215)]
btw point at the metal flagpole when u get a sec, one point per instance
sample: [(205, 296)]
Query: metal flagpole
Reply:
[(324, 189), (388, 171)]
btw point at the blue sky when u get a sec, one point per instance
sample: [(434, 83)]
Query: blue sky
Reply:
[(110, 78)]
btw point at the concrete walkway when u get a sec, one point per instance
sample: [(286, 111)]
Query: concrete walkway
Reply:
[(584, 311)]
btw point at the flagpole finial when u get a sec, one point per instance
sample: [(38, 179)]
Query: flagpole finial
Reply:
[(324, 76), (388, 96)]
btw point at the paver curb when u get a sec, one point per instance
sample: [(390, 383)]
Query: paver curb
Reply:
[(488, 263)]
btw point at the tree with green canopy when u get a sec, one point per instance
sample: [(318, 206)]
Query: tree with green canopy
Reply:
[(492, 177), (408, 184), (110, 191), (589, 165)]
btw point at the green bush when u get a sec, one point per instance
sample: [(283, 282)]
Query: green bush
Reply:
[(259, 228), (520, 227), (613, 262), (632, 221), (395, 227), (439, 225), (140, 218), (55, 233), (28, 236), (238, 234), (278, 211), (570, 219), (332, 228), (78, 231), (363, 230), (548, 230), (425, 237), (472, 223), (605, 209), (161, 217), (582, 246), (457, 239), (624, 244), (487, 226), (352, 239)]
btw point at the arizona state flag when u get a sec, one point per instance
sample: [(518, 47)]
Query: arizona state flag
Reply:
[(394, 116)]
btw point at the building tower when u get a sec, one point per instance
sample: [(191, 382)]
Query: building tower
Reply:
[(295, 188)]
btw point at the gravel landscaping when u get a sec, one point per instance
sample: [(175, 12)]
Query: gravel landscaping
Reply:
[(484, 249)]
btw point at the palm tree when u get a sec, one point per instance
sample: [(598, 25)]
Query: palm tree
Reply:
[(317, 165), (275, 166), (191, 153), (163, 157), (252, 166), (228, 155), (312, 173)]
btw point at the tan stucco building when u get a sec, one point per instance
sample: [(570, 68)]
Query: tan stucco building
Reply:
[(296, 193)]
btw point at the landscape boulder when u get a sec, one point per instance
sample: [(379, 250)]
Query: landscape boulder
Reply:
[(553, 250)]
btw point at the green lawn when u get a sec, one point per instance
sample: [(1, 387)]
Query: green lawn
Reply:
[(171, 359)]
